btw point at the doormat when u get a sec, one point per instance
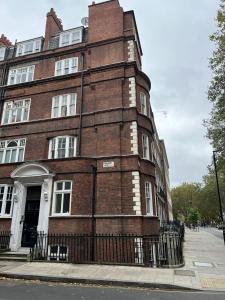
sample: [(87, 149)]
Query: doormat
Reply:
[(184, 273)]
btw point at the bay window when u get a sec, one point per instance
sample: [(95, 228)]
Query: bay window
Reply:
[(12, 151), (66, 66), (21, 75), (62, 147), (6, 192), (62, 197), (64, 105), (16, 111)]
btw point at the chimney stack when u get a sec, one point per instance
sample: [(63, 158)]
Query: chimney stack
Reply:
[(53, 26), (4, 41)]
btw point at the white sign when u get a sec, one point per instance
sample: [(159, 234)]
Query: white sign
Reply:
[(108, 164)]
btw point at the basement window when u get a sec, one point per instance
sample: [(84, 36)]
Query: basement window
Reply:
[(58, 253), (16, 111), (6, 192), (2, 53), (28, 47), (70, 37)]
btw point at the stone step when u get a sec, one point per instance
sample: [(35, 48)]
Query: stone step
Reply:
[(14, 254), (13, 258)]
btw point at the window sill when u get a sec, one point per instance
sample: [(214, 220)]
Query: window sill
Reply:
[(60, 215), (5, 217)]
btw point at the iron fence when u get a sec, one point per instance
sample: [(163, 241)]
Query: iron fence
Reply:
[(154, 251), (4, 240), (173, 226)]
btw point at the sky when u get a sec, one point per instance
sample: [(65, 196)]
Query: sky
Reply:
[(175, 41)]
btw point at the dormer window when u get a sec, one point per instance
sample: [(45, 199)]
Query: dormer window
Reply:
[(2, 53), (70, 37), (28, 47)]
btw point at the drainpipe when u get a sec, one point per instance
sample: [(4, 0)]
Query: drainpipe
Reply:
[(93, 211), (81, 103)]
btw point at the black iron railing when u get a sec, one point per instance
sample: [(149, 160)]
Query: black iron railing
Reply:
[(172, 227), (4, 240), (153, 251)]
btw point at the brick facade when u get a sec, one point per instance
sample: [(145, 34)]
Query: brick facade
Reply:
[(108, 124)]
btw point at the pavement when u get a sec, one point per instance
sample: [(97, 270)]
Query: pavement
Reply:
[(204, 269)]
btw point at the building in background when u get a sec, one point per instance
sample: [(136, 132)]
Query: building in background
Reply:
[(79, 150)]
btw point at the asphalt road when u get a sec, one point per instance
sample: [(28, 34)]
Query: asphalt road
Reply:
[(216, 232), (24, 290)]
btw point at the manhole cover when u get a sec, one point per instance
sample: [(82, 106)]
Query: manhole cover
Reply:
[(203, 264), (184, 273)]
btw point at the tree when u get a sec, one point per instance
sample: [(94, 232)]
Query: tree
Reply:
[(216, 93), (193, 216), (184, 197)]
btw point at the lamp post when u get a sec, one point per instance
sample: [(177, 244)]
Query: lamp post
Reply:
[(218, 191)]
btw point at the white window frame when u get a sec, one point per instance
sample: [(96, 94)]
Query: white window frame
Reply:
[(145, 147), (63, 191), (60, 99), (143, 102), (2, 53), (12, 108), (33, 45), (21, 74), (54, 142), (21, 144), (66, 66), (149, 199), (66, 37), (57, 257), (4, 200)]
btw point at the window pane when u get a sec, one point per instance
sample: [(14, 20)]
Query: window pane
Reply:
[(1, 156), (0, 206), (20, 156), (7, 156), (13, 155), (25, 114), (58, 202), (54, 250), (66, 203), (59, 186), (67, 185), (8, 207), (6, 117)]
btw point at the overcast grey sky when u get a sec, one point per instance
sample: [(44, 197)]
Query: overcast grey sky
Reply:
[(174, 36)]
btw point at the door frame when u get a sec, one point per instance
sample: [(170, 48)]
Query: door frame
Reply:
[(25, 179)]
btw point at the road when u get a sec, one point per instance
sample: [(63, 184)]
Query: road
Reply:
[(216, 232), (24, 290)]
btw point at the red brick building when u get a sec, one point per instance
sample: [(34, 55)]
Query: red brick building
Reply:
[(78, 149)]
